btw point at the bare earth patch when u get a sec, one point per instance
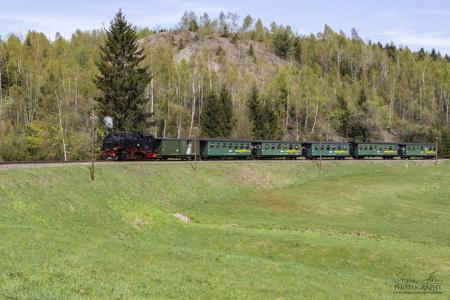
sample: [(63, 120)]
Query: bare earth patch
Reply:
[(182, 218)]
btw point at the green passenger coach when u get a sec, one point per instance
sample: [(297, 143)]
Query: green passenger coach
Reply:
[(212, 148), (278, 149), (336, 150), (418, 150), (384, 150)]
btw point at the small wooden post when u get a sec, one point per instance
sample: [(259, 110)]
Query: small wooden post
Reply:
[(320, 152), (436, 158), (93, 118)]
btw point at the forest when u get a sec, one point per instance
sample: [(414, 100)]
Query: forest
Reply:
[(248, 79)]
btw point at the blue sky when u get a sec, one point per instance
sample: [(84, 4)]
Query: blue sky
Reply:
[(410, 23)]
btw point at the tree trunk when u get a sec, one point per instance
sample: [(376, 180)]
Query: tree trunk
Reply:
[(306, 108), (61, 128), (391, 104), (152, 100), (317, 107), (76, 93), (193, 105), (297, 121), (287, 112), (164, 128), (447, 116)]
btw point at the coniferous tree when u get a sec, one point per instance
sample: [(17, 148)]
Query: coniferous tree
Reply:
[(210, 117), (217, 115), (226, 113), (264, 118), (271, 123), (122, 79), (342, 117), (359, 128), (254, 109)]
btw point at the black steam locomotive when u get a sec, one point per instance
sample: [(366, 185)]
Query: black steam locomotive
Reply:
[(127, 146)]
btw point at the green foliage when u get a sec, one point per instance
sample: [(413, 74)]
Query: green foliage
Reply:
[(122, 79), (264, 117), (189, 21), (359, 128), (217, 115), (43, 141), (444, 144), (302, 80), (341, 117), (285, 43), (13, 146)]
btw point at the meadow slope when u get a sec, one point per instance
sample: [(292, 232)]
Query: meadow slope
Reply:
[(260, 230)]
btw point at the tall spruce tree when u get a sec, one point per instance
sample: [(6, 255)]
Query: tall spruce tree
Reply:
[(217, 115), (342, 117), (264, 118), (122, 78), (226, 112), (359, 122), (209, 117), (254, 109)]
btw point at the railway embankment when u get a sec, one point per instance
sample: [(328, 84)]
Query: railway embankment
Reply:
[(269, 229)]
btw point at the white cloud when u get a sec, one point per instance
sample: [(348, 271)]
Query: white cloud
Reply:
[(415, 40), (49, 24)]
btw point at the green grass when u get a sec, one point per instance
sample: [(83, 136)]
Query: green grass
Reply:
[(274, 230)]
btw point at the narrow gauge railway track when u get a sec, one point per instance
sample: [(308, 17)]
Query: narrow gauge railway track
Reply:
[(58, 163)]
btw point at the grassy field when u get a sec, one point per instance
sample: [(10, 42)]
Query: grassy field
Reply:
[(273, 230)]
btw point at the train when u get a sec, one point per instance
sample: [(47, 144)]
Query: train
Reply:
[(144, 146)]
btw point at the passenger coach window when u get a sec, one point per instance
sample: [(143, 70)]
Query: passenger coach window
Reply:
[(267, 147), (316, 147), (273, 146), (328, 148), (279, 146)]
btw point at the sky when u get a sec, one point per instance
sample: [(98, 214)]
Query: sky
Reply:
[(411, 23)]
